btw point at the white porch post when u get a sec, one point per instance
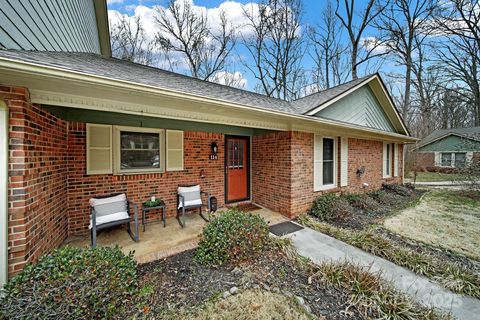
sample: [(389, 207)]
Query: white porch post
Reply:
[(3, 193)]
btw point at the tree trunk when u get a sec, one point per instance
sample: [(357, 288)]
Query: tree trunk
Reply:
[(354, 62)]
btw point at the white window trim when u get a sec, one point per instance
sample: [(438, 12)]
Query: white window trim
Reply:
[(319, 175), (384, 160), (116, 150), (395, 159), (3, 193), (438, 159)]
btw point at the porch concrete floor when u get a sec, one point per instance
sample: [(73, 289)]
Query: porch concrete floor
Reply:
[(158, 242)]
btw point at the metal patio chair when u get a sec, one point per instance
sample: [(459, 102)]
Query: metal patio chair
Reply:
[(190, 197), (109, 211)]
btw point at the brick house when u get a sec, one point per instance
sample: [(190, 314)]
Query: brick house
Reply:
[(447, 149), (80, 124)]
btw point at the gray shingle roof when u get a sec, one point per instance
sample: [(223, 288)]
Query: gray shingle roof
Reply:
[(127, 71), (470, 132), (307, 103)]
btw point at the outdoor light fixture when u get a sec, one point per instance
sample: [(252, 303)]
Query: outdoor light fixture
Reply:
[(214, 147), (360, 171)]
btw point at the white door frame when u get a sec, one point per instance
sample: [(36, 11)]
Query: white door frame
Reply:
[(3, 193)]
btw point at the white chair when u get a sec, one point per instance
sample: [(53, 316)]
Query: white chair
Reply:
[(190, 197), (111, 210)]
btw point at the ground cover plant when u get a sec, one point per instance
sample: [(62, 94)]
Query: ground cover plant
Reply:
[(104, 283), (279, 284), (72, 283), (451, 276)]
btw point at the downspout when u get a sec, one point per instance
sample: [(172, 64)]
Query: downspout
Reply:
[(3, 193)]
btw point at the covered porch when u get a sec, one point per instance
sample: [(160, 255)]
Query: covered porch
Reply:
[(158, 242)]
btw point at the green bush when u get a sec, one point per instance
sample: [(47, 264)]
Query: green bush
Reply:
[(330, 207), (71, 283), (234, 236)]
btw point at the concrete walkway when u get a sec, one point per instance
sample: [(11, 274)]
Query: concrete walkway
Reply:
[(319, 247)]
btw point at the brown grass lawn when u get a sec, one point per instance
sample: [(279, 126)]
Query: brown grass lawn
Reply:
[(253, 304), (443, 218)]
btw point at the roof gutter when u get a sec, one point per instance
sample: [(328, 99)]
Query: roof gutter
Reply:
[(39, 69)]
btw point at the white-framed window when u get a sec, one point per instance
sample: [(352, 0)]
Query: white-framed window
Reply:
[(453, 159), (325, 163), (387, 159), (138, 150), (130, 150)]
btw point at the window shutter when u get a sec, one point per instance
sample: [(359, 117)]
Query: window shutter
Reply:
[(395, 160), (384, 159), (317, 163), (174, 150), (99, 149), (343, 162)]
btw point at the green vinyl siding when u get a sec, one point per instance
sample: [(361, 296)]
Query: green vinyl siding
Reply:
[(360, 107), (452, 143), (104, 117), (49, 25)]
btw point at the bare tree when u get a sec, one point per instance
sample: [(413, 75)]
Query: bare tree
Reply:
[(459, 49), (405, 25), (184, 33), (355, 23), (328, 53), (276, 47), (128, 40)]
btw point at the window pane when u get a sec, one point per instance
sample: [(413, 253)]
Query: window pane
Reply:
[(446, 159), (327, 149), (460, 159), (139, 150), (328, 172)]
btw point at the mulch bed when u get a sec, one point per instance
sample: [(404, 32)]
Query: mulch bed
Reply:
[(363, 219), (181, 283)]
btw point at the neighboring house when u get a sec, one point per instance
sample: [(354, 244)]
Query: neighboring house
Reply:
[(448, 148), (78, 125)]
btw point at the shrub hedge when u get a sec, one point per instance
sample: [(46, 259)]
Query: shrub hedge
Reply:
[(71, 283), (329, 207), (234, 236)]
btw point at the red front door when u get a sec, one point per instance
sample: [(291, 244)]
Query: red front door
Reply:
[(237, 168)]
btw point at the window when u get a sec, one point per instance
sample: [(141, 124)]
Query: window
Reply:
[(446, 159), (139, 150), (235, 154), (127, 150), (328, 161), (460, 159), (325, 163), (387, 159)]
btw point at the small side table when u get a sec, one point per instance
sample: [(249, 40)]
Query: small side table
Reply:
[(145, 209)]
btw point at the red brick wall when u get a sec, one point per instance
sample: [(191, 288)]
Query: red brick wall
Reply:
[(140, 187), (37, 193), (424, 160), (271, 164), (283, 170)]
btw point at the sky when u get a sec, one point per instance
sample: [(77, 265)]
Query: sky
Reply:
[(233, 8)]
